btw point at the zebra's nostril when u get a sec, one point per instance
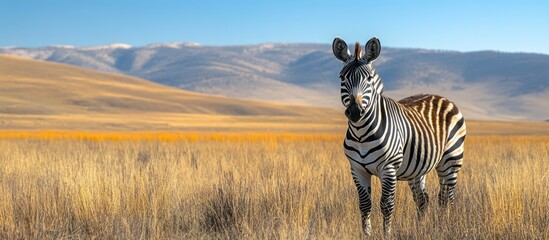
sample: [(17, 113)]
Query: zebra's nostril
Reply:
[(347, 112)]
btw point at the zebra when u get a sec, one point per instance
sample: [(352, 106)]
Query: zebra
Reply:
[(396, 140)]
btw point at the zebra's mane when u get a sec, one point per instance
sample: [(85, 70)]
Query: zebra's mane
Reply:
[(358, 51)]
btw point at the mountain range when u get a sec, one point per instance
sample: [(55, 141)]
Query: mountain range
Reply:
[(486, 85)]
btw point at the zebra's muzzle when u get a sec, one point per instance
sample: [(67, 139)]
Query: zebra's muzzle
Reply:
[(354, 112)]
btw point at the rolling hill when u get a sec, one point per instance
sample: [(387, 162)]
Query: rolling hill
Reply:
[(486, 85), (37, 87), (37, 94)]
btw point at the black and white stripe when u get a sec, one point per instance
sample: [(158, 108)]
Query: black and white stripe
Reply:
[(396, 140)]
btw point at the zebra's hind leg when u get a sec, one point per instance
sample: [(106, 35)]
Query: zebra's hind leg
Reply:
[(419, 191), (362, 181), (447, 170)]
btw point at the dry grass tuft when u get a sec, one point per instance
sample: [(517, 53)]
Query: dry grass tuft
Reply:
[(253, 186)]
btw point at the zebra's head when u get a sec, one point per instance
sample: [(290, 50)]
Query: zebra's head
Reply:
[(356, 76)]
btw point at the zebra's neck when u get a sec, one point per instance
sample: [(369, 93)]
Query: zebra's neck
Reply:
[(376, 81)]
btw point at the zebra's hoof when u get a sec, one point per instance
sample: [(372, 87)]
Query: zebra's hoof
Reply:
[(387, 232), (367, 227)]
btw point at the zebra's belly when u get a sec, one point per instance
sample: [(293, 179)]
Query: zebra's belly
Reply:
[(416, 166)]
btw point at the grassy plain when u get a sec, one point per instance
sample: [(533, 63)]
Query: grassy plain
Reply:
[(250, 185)]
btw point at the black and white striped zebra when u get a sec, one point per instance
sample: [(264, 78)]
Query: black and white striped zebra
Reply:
[(396, 140)]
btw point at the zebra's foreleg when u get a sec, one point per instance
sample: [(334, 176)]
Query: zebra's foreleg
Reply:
[(419, 191), (362, 181), (388, 185)]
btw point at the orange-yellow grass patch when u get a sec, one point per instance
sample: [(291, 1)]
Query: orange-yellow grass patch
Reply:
[(165, 136)]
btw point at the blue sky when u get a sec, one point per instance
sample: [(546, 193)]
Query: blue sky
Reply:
[(515, 26)]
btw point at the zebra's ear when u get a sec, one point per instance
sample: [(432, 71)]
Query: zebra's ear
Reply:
[(372, 50), (340, 49)]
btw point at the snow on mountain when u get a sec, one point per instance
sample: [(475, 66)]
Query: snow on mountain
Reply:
[(176, 45), (63, 46), (107, 47)]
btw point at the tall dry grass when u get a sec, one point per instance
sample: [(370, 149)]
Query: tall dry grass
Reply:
[(259, 188)]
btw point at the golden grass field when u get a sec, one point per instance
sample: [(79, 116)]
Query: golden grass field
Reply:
[(251, 186)]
